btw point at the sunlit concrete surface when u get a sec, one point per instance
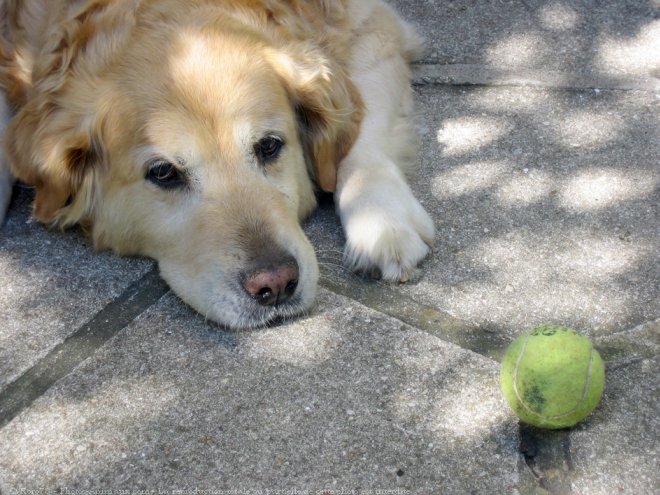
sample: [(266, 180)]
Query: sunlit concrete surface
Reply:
[(546, 206), (269, 415)]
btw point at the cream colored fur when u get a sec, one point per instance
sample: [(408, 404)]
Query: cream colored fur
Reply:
[(102, 90)]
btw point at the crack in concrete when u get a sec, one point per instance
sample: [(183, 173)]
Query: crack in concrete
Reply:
[(547, 454)]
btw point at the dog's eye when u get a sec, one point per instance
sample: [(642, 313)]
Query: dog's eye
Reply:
[(268, 149), (165, 175)]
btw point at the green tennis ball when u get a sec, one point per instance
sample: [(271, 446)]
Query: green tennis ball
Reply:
[(552, 377)]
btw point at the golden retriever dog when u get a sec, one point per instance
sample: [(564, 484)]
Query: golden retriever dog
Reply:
[(198, 133)]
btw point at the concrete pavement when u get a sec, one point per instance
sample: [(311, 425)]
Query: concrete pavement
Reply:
[(539, 126)]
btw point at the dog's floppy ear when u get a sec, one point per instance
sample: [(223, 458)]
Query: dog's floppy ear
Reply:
[(55, 156), (328, 106), (51, 142)]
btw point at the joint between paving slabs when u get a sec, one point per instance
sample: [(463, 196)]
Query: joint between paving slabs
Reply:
[(80, 345), (385, 300), (430, 73)]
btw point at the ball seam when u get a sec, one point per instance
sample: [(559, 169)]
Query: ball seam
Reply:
[(585, 392)]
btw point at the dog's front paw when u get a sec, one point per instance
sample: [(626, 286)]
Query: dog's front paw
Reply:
[(390, 234)]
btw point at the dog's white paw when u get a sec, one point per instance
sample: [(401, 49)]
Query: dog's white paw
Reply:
[(389, 233)]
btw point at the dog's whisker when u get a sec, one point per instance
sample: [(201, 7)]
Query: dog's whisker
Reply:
[(322, 252), (330, 254), (338, 270), (332, 263)]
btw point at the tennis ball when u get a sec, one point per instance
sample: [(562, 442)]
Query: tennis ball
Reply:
[(552, 377)]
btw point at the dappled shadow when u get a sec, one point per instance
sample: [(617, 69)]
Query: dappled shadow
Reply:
[(545, 203), (545, 200), (573, 169), (344, 400), (610, 41)]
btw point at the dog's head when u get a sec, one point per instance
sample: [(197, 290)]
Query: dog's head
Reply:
[(191, 138)]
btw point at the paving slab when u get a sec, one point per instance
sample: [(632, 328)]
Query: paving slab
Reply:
[(620, 451), (619, 39), (346, 399), (571, 41), (463, 31), (546, 204), (629, 421), (52, 283)]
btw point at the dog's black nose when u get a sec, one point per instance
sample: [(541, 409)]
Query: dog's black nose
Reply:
[(273, 285)]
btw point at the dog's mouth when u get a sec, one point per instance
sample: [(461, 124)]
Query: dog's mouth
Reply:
[(261, 292), (234, 306), (255, 315), (284, 313)]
